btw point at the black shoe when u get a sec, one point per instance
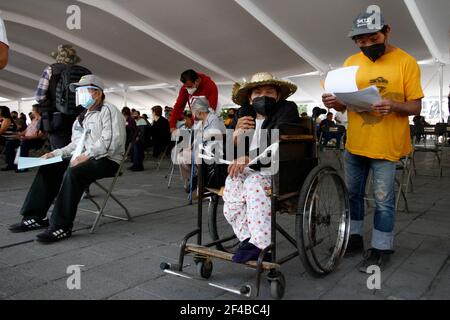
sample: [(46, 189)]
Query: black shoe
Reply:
[(29, 224), (137, 169), (355, 245), (375, 257), (22, 170), (54, 235)]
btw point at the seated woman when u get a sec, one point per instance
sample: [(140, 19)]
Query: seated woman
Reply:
[(8, 130), (247, 203), (208, 125), (29, 139)]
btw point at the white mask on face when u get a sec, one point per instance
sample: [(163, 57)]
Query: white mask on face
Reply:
[(191, 90)]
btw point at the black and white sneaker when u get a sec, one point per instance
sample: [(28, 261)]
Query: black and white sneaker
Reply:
[(50, 235), (29, 224)]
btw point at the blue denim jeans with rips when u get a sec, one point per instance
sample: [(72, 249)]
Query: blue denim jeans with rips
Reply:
[(356, 172)]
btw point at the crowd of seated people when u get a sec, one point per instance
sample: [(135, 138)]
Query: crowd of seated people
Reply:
[(16, 135)]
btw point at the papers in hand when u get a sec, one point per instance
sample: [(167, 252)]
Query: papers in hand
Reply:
[(26, 162), (342, 83)]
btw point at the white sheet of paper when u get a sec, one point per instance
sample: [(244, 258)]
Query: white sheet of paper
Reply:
[(360, 101), (26, 162), (342, 80), (342, 83)]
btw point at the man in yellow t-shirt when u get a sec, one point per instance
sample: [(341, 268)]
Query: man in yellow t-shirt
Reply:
[(377, 139)]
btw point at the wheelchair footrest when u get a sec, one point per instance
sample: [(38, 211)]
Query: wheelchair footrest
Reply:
[(208, 252)]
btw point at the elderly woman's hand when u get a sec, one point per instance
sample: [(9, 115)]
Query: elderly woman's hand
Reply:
[(238, 166), (243, 124)]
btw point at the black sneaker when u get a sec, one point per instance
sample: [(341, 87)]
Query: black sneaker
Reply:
[(29, 224), (375, 257), (53, 235), (355, 245)]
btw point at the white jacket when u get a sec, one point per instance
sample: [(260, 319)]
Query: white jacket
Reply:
[(105, 135)]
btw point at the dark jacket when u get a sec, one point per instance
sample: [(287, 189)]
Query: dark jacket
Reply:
[(160, 132), (286, 112)]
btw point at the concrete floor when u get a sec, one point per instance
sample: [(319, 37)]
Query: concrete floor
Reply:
[(121, 260)]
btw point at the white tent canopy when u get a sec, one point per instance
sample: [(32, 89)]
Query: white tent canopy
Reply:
[(141, 47)]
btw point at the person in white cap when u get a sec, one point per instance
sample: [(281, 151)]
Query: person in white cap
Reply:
[(4, 45), (96, 149)]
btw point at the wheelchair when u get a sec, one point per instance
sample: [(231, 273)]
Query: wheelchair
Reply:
[(315, 195)]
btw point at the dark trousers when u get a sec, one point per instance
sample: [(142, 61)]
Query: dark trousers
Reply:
[(67, 185), (138, 154), (27, 145), (10, 151)]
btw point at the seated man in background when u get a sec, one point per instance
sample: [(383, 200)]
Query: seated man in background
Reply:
[(160, 132), (31, 138), (230, 117), (132, 135), (327, 136), (95, 152)]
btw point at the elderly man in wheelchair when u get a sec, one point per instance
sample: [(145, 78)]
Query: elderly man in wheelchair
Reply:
[(247, 202)]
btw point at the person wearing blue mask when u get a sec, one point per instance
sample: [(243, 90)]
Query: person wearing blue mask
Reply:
[(96, 149)]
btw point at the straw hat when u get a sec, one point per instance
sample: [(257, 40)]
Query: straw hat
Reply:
[(240, 92), (66, 54)]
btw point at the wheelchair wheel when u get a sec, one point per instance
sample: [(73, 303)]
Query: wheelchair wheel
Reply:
[(277, 285), (204, 268), (322, 221), (218, 226)]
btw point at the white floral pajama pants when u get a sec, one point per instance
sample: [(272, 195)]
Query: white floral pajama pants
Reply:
[(247, 207)]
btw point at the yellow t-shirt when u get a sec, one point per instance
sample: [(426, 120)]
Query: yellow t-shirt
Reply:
[(397, 77)]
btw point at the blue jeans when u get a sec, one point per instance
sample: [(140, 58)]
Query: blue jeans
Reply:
[(356, 172)]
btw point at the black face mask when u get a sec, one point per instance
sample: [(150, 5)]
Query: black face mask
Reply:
[(264, 105), (374, 51)]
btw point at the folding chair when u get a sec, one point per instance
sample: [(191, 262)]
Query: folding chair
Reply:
[(403, 183), (430, 145), (171, 171), (108, 191)]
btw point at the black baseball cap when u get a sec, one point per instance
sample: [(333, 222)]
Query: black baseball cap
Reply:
[(365, 23)]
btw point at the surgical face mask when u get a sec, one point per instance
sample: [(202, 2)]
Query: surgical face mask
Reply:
[(374, 52), (84, 98), (264, 105), (191, 90)]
